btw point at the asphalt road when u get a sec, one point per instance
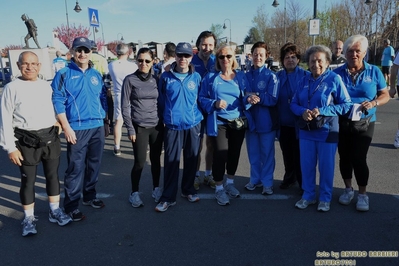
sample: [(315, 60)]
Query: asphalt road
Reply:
[(253, 230)]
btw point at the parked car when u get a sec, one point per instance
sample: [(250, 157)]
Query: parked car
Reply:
[(7, 75)]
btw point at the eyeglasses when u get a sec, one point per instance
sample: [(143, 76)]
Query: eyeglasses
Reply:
[(142, 60), (24, 64), (84, 49), (183, 55), (221, 57)]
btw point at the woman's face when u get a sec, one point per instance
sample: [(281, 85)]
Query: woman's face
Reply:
[(290, 61), (355, 55), (259, 57), (144, 62), (318, 63), (225, 58)]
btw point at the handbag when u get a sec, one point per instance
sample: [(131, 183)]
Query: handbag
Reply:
[(236, 123), (360, 126), (313, 124)]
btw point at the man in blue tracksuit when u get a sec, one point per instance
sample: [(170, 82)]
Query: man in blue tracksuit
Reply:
[(79, 99), (178, 95)]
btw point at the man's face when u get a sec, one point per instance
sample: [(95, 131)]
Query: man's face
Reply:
[(206, 47), (183, 60), (338, 46), (29, 66), (82, 56)]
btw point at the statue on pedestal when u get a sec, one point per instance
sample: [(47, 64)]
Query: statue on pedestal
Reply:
[(32, 31)]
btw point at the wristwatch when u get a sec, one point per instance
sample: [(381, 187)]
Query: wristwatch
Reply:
[(376, 102)]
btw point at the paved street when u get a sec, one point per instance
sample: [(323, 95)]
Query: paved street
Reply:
[(253, 230)]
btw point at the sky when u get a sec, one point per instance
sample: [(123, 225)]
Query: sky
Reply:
[(139, 20)]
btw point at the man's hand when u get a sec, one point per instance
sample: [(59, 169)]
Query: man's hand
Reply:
[(16, 157)]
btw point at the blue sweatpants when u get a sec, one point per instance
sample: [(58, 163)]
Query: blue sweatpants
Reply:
[(84, 160), (260, 147), (311, 152), (174, 142)]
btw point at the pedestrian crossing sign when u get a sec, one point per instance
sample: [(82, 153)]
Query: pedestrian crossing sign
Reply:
[(93, 17)]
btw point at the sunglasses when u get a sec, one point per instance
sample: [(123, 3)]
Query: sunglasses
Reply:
[(84, 49), (183, 55), (221, 57), (142, 60)]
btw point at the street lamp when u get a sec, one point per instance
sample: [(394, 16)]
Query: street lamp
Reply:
[(121, 37), (224, 27), (77, 10), (369, 2), (275, 4)]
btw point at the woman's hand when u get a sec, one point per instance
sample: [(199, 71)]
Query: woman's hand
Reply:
[(253, 99), (221, 104), (307, 115)]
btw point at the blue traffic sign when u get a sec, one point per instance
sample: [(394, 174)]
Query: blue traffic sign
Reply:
[(93, 17)]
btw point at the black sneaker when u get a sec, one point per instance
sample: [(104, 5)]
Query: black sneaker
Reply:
[(95, 203), (117, 152), (77, 215)]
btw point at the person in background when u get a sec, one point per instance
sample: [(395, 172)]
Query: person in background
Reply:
[(21, 119), (289, 76), (58, 62), (100, 63), (248, 62), (262, 95), (388, 55), (119, 69), (366, 86), (320, 98), (222, 99), (393, 90), (204, 63), (169, 54), (79, 99), (181, 115), (338, 59), (140, 115)]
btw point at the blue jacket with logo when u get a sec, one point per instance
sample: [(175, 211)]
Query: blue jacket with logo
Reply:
[(327, 93), (81, 96), (178, 99), (264, 83)]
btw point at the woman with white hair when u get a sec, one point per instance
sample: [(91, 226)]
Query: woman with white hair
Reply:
[(320, 98), (367, 88)]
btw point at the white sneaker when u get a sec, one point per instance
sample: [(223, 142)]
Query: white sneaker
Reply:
[(396, 142), (362, 203), (346, 198)]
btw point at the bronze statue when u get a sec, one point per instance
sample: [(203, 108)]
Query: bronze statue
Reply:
[(32, 30)]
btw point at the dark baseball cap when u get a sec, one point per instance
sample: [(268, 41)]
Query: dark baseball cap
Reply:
[(81, 42), (184, 48)]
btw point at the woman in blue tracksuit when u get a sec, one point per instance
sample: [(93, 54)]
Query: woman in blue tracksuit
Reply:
[(263, 120), (222, 97), (321, 95), (178, 95), (290, 57)]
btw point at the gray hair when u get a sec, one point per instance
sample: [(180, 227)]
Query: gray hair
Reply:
[(318, 49), (122, 49), (356, 39), (21, 55)]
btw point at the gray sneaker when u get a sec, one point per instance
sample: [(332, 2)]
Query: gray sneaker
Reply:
[(303, 204), (362, 203), (267, 191), (197, 182), (249, 186), (232, 191), (157, 193), (323, 206), (346, 198), (29, 226), (221, 197), (59, 216), (135, 200)]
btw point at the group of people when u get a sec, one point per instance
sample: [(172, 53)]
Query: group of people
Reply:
[(312, 112)]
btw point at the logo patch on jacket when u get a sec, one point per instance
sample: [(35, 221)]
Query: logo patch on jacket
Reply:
[(261, 85), (94, 80), (191, 85)]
